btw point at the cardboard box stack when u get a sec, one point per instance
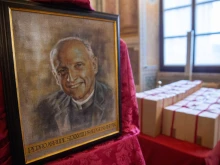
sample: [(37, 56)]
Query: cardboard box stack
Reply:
[(152, 102), (195, 119)]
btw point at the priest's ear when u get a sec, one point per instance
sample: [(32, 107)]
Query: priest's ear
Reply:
[(95, 64)]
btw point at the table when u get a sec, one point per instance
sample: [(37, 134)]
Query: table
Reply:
[(164, 150)]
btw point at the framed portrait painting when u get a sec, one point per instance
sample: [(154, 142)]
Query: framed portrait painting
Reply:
[(61, 80)]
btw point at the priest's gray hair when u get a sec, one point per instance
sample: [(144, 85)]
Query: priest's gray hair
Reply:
[(59, 44)]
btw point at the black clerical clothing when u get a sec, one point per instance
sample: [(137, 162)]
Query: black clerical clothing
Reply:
[(58, 114)]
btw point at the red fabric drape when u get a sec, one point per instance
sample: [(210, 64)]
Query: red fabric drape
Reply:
[(130, 117), (5, 157), (80, 3), (123, 151)]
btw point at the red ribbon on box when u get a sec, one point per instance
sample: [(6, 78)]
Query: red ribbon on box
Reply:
[(197, 117), (161, 125), (173, 118), (142, 102), (196, 122)]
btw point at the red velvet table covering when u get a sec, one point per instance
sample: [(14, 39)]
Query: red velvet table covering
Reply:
[(123, 151), (164, 150), (214, 156)]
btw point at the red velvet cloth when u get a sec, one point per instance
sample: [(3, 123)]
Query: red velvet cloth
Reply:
[(5, 158), (214, 156), (130, 117), (164, 150), (81, 3), (123, 151)]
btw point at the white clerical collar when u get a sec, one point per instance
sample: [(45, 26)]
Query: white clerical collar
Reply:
[(80, 103)]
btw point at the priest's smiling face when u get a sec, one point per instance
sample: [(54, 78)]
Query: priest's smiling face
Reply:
[(74, 68)]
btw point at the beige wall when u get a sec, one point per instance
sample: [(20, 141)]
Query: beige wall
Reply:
[(111, 6), (139, 28), (107, 6), (153, 32), (128, 10)]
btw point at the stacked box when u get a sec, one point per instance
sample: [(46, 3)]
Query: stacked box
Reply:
[(215, 108), (150, 108), (208, 129), (183, 126), (152, 116), (195, 119), (173, 117), (152, 102)]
